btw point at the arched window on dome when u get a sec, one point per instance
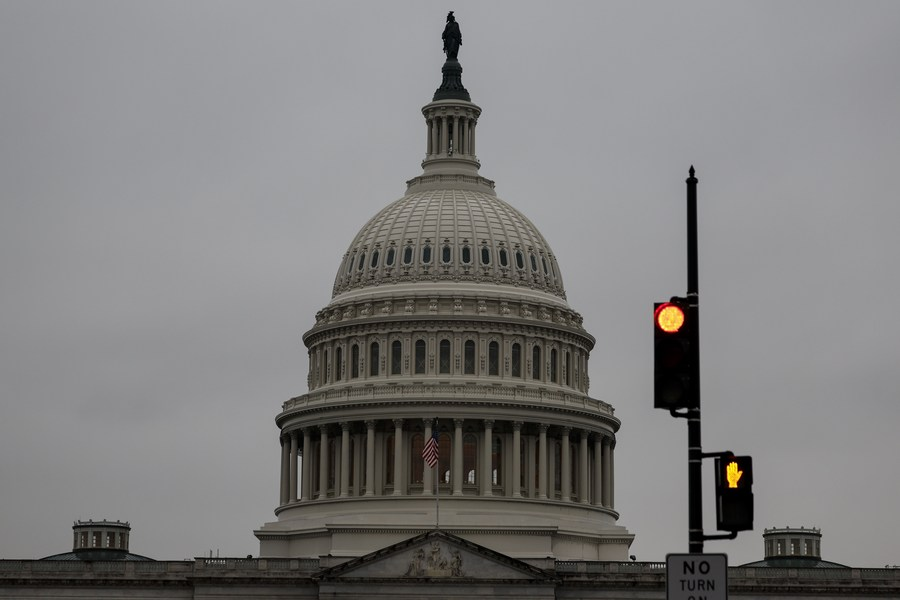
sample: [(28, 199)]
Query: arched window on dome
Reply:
[(466, 255), (554, 356), (426, 254), (420, 357), (534, 266), (504, 257), (354, 361), (485, 255), (361, 262), (389, 258), (520, 260), (338, 359), (516, 360), (374, 359), (536, 362), (470, 461), (374, 262), (350, 264), (493, 358), (408, 255), (417, 467), (444, 357), (396, 357), (446, 254), (469, 357), (544, 262)]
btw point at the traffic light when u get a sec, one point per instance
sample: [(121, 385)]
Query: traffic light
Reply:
[(675, 356), (734, 493)]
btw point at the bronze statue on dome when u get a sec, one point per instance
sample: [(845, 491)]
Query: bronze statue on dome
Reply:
[(452, 37)]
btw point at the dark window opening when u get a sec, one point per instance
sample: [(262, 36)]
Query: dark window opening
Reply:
[(469, 358), (396, 357), (420, 356), (444, 362), (516, 360), (493, 358)]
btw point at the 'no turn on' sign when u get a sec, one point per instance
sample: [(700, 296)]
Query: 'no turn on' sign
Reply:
[(696, 577)]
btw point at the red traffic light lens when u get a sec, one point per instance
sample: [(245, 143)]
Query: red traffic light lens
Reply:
[(669, 317)]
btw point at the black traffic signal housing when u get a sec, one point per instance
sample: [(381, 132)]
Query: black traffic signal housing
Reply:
[(734, 493), (675, 371)]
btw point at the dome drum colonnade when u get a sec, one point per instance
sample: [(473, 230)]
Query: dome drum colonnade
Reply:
[(448, 312), (548, 462)]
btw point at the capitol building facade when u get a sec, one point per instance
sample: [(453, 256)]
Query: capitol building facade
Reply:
[(448, 321)]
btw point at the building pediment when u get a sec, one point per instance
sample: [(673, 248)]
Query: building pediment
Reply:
[(435, 555)]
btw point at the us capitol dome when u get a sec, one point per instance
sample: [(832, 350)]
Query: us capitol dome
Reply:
[(448, 320)]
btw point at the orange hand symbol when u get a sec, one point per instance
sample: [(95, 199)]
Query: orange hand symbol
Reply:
[(733, 474)]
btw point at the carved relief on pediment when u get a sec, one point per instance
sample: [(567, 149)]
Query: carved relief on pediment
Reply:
[(435, 563)]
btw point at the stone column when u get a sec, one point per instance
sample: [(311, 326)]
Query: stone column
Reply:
[(566, 466), (323, 461), (583, 490), (398, 457), (598, 470), (428, 144), (457, 466), (345, 460), (445, 135), (606, 479), (456, 136), (370, 458), (306, 469), (292, 486), (472, 139), (517, 460), (612, 474), (427, 472), (542, 462), (285, 469), (487, 481)]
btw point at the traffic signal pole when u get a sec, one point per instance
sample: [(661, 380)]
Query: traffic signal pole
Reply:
[(677, 386), (695, 448)]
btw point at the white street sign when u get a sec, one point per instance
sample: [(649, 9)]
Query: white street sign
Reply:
[(696, 577)]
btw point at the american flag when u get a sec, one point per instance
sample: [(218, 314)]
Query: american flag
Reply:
[(430, 451)]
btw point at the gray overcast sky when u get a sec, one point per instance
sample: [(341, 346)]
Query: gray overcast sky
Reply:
[(180, 181)]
